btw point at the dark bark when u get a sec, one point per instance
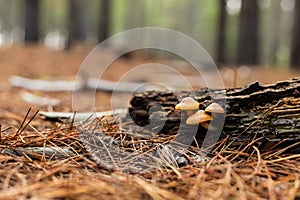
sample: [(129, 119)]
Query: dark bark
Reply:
[(221, 32), (248, 33), (32, 21), (295, 49), (77, 22), (104, 23), (268, 112)]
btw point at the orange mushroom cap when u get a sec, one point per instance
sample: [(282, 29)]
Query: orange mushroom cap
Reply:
[(187, 103), (215, 108), (198, 118)]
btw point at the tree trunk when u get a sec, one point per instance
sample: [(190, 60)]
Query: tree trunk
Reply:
[(77, 22), (104, 24), (221, 32), (269, 113), (295, 49), (248, 33), (271, 38), (32, 21)]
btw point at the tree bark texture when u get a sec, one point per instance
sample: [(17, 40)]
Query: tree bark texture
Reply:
[(221, 32), (32, 21), (77, 22), (104, 20), (295, 49), (248, 33)]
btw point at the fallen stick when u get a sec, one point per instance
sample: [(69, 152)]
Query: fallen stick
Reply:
[(81, 117), (40, 152), (64, 85), (42, 85), (39, 100)]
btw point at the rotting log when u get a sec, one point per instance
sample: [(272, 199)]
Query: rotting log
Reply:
[(267, 114)]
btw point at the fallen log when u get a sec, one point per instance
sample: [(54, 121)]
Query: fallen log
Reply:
[(267, 116)]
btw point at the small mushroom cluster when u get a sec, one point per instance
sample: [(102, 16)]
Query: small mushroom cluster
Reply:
[(202, 117)]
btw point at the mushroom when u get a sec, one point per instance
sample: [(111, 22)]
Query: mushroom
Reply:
[(200, 117), (214, 108), (208, 126), (188, 104)]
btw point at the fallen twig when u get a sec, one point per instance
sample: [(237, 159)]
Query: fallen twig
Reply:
[(82, 116), (64, 85), (34, 152), (39, 100)]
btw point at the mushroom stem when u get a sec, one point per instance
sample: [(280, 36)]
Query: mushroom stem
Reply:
[(209, 126), (189, 112)]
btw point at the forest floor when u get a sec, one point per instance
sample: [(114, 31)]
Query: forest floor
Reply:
[(79, 177)]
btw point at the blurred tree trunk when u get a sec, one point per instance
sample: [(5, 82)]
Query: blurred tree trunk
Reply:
[(77, 21), (7, 16), (32, 20), (221, 32), (247, 52), (104, 24), (295, 49), (271, 38)]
